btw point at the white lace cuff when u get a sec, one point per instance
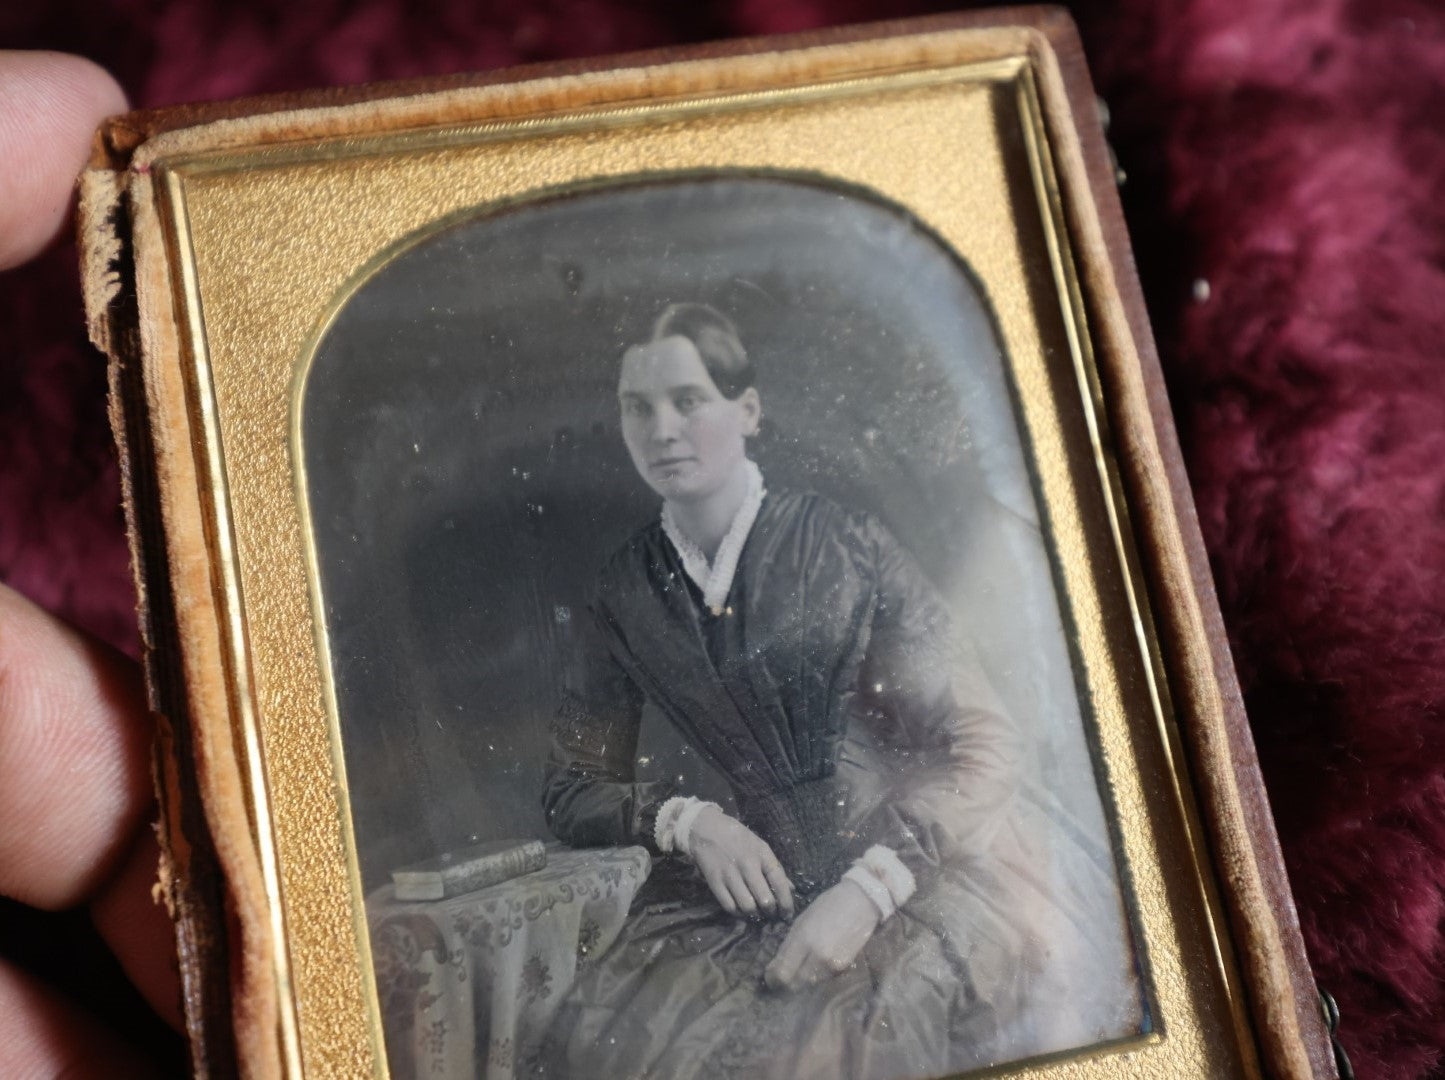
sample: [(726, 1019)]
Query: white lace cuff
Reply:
[(682, 831), (884, 878), (674, 822), (873, 888)]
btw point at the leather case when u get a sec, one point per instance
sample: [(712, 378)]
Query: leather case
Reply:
[(215, 882)]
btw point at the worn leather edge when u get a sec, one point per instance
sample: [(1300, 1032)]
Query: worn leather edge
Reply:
[(190, 882), (1280, 989), (210, 875), (430, 101)]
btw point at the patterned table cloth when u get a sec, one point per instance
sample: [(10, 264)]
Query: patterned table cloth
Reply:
[(468, 985)]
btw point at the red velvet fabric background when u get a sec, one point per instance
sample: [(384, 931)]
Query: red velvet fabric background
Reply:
[(1288, 153)]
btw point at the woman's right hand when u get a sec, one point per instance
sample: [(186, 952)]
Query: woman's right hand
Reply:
[(739, 867)]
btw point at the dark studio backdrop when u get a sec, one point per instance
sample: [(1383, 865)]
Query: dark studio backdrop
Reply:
[(467, 474)]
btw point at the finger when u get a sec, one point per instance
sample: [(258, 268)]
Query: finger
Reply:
[(781, 973), (742, 895), (782, 887), (834, 963), (50, 105), (757, 884), (814, 969), (720, 890), (139, 931), (74, 747), (43, 1036)]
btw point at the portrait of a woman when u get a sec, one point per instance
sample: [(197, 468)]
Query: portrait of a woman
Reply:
[(878, 903), (690, 524)]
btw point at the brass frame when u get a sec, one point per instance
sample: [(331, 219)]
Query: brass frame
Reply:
[(187, 191)]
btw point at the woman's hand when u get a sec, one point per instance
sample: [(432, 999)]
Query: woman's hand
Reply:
[(739, 868), (825, 940)]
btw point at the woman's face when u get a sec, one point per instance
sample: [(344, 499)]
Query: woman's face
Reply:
[(685, 438)]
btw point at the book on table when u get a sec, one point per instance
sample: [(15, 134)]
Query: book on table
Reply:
[(468, 869)]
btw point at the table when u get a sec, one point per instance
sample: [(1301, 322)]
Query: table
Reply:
[(468, 985)]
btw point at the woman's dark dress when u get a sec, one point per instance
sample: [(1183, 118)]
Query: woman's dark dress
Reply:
[(823, 694)]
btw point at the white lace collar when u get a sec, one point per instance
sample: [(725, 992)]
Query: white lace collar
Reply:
[(716, 580)]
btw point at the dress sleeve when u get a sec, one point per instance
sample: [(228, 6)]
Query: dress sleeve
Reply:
[(955, 763), (590, 794)]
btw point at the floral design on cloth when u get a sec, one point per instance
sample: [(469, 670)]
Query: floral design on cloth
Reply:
[(470, 983), (536, 979)]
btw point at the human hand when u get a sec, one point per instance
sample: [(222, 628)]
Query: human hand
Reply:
[(75, 792), (739, 867), (825, 939)]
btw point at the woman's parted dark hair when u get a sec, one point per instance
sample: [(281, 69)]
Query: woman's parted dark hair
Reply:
[(716, 339)]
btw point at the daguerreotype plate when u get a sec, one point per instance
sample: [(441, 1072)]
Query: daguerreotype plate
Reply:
[(670, 570)]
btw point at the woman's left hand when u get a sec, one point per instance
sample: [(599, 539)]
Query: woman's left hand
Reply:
[(825, 939)]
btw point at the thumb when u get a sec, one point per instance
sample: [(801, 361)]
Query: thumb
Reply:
[(784, 966), (50, 105)]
